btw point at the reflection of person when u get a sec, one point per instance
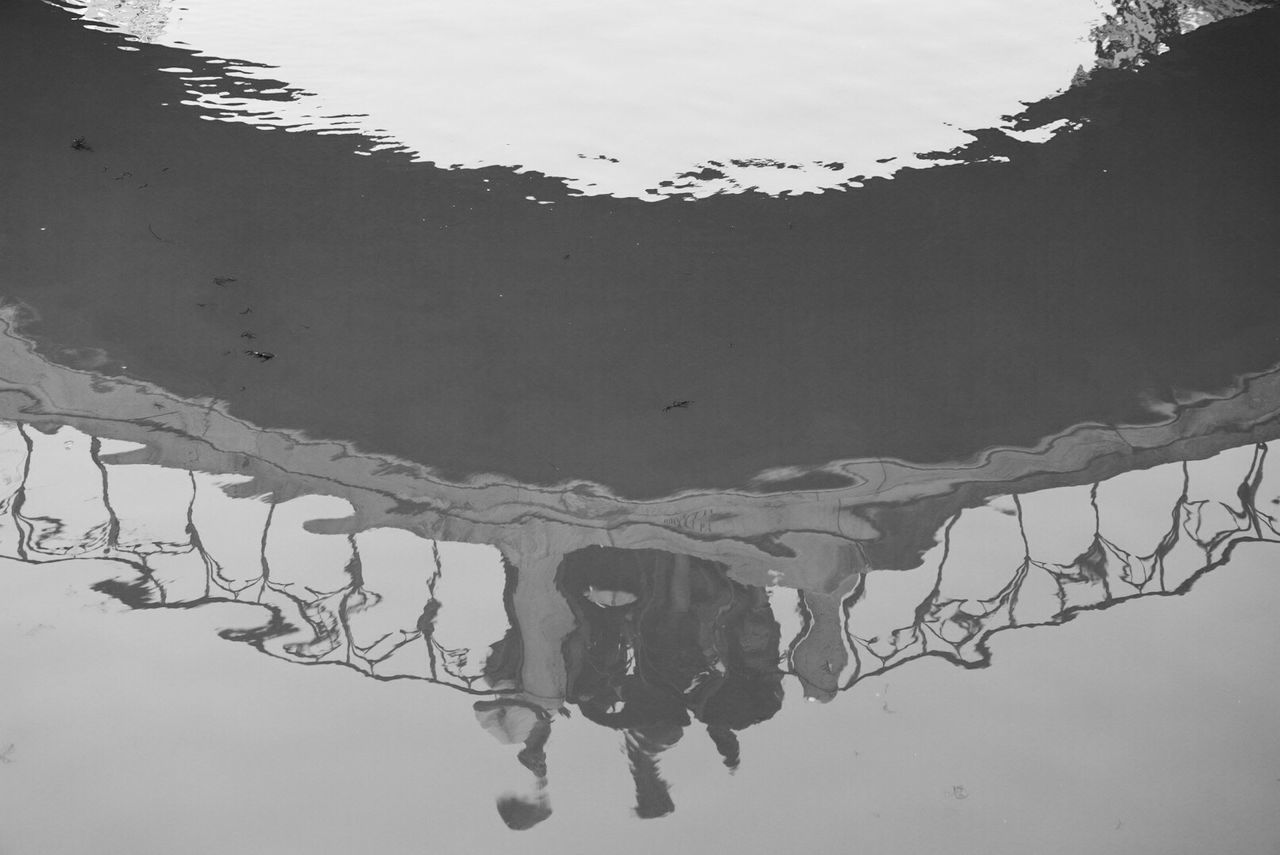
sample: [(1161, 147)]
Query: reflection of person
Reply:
[(517, 721), (660, 637), (527, 664)]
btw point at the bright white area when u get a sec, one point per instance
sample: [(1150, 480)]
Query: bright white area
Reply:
[(621, 95), (1144, 728)]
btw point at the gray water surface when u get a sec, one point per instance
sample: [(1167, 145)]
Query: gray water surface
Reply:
[(900, 475)]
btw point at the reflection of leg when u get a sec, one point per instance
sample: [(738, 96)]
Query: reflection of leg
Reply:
[(511, 721), (653, 795), (534, 754), (726, 742)]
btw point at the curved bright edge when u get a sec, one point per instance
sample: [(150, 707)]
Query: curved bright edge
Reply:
[(765, 534), (650, 100)]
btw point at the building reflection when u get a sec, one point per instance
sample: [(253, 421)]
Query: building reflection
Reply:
[(655, 643)]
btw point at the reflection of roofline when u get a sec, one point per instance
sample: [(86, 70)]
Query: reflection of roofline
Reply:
[(767, 538)]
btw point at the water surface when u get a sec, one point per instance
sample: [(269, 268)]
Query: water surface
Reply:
[(573, 664), (936, 509)]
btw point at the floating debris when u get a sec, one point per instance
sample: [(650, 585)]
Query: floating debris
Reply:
[(261, 355)]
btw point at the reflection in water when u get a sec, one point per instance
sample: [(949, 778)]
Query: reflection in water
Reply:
[(576, 93), (918, 302), (1136, 30), (650, 641), (657, 619)]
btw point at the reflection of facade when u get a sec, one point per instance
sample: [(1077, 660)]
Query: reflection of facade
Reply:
[(649, 617), (647, 641), (144, 20), (1136, 30)]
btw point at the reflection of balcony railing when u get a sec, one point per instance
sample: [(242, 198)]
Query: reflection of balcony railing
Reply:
[(394, 604), (651, 617), (1190, 518)]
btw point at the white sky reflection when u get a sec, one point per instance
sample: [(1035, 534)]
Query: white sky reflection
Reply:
[(619, 97)]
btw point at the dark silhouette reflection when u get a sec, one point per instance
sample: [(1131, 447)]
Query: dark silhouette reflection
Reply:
[(661, 639), (537, 619)]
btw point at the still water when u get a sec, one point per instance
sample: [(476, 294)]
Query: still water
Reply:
[(657, 427)]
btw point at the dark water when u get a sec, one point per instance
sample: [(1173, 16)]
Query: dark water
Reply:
[(582, 665), (429, 314), (939, 514)]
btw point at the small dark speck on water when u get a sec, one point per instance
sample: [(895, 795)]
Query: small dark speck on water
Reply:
[(248, 335), (260, 355), (80, 145), (248, 310), (959, 792), (676, 405), (6, 754), (223, 281)]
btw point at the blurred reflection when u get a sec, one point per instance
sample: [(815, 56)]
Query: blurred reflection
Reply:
[(655, 619), (574, 118), (662, 640), (644, 640)]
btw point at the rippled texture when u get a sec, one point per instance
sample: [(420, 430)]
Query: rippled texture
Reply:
[(936, 516), (436, 315), (653, 99), (668, 623), (393, 603)]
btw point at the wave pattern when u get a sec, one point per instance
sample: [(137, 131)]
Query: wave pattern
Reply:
[(608, 116), (647, 641)]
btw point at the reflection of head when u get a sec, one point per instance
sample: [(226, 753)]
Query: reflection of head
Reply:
[(726, 742), (521, 813)]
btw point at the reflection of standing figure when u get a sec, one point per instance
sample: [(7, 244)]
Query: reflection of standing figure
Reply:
[(514, 721), (662, 636), (528, 666)]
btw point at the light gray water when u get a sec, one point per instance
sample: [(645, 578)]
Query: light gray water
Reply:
[(929, 514)]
